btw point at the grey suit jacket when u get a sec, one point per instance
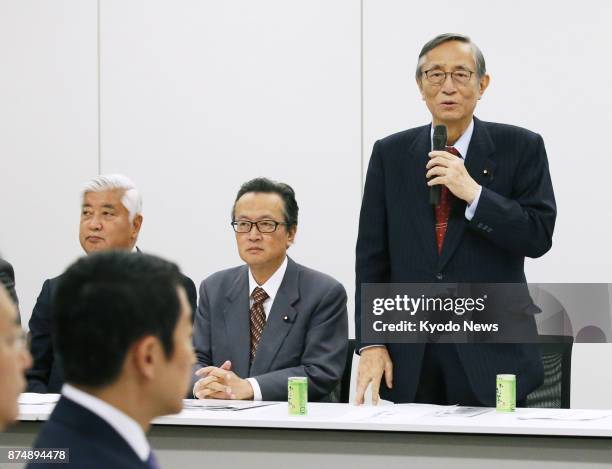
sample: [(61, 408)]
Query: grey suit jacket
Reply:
[(306, 333)]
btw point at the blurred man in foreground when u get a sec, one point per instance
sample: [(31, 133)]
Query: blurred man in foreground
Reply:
[(122, 326)]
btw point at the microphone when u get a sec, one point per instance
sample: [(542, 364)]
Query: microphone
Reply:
[(439, 143)]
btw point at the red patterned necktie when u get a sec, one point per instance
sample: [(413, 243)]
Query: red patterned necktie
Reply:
[(258, 318), (443, 208)]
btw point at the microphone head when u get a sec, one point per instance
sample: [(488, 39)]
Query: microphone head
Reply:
[(439, 137)]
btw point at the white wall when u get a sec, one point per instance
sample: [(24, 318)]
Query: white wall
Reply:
[(48, 133), (199, 96)]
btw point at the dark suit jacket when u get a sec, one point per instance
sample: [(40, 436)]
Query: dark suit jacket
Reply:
[(92, 442), (7, 278), (306, 333), (515, 218), (46, 374)]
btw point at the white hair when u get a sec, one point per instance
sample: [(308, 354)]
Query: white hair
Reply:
[(131, 198)]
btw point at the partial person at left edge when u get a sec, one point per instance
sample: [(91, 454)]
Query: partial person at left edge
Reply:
[(111, 218), (7, 278), (14, 360)]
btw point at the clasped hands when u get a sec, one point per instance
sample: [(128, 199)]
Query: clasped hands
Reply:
[(221, 383), (449, 170)]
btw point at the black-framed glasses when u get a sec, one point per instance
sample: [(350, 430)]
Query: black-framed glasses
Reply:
[(435, 76), (264, 226)]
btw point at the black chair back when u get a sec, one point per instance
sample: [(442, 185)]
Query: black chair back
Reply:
[(556, 351), (345, 383)]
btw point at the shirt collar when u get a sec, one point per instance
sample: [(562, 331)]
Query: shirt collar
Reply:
[(127, 427), (463, 142), (273, 284)]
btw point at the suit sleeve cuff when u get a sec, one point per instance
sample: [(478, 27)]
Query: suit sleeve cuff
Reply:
[(470, 210), (256, 389)]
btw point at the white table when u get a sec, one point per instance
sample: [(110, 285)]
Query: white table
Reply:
[(342, 435)]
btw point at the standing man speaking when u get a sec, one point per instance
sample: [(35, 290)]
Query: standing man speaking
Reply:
[(494, 208)]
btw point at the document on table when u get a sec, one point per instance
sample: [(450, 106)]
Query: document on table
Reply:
[(406, 413), (565, 414), (457, 411), (390, 413), (33, 398), (223, 405)]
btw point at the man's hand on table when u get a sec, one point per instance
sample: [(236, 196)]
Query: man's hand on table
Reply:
[(221, 383), (373, 363)]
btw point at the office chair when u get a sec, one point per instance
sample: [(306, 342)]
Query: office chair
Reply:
[(345, 383), (556, 351)]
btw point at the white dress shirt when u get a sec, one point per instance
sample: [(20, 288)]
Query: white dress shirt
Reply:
[(125, 426), (271, 288), (462, 145)]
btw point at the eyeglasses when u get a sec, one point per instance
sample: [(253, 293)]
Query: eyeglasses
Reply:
[(264, 226), (437, 77)]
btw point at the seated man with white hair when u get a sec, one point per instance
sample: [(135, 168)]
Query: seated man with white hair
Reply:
[(111, 217)]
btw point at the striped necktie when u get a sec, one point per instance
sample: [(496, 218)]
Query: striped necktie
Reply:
[(443, 208), (258, 318)]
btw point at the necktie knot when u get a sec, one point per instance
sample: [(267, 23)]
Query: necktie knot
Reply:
[(259, 295)]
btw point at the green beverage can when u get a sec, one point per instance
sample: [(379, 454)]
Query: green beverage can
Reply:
[(506, 393), (297, 388)]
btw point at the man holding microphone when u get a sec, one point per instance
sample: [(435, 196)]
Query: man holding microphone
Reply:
[(495, 207)]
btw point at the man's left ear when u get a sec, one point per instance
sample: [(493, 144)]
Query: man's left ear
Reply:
[(291, 235), (483, 85), (136, 224)]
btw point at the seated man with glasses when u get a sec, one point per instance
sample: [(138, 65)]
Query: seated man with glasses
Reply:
[(259, 324)]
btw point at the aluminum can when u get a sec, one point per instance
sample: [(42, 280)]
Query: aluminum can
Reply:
[(297, 388), (505, 393)]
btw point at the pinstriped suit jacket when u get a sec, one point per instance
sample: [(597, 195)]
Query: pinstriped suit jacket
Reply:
[(514, 219)]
